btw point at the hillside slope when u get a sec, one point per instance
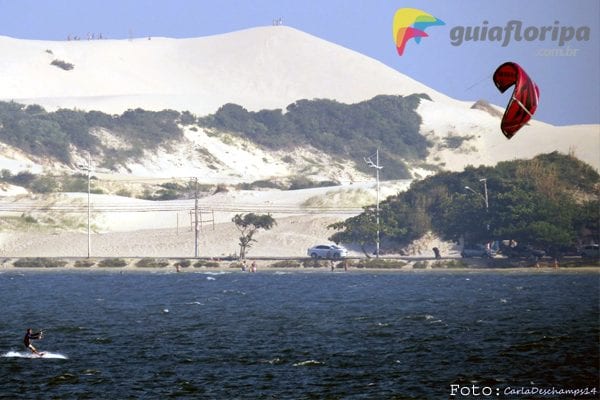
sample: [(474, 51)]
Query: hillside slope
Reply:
[(259, 68), (266, 67)]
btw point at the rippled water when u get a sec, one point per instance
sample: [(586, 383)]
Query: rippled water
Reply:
[(297, 335)]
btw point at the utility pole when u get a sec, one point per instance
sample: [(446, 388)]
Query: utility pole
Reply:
[(88, 168), (196, 218), (487, 203), (484, 197), (89, 209), (377, 168), (485, 191)]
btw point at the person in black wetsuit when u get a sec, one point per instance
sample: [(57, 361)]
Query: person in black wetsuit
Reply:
[(27, 340)]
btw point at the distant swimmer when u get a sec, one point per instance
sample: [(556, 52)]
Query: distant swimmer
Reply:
[(27, 340)]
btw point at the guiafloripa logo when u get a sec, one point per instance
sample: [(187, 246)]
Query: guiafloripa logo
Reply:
[(411, 23)]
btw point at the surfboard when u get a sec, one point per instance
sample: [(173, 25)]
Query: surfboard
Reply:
[(46, 354)]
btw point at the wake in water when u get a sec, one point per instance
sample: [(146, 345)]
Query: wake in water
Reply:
[(17, 354)]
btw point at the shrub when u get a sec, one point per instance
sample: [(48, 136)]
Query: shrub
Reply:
[(84, 263), (112, 263), (39, 263), (29, 219), (335, 128), (44, 184), (124, 193), (75, 183), (206, 264), (454, 142), (450, 264), (286, 264), (221, 188), (380, 263), (151, 263), (420, 265), (262, 184), (182, 263), (310, 263), (62, 64)]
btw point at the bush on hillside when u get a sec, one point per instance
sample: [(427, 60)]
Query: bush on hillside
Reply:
[(112, 263), (39, 263), (353, 130), (152, 263), (62, 64)]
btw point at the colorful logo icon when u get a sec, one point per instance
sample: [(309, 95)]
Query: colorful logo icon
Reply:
[(411, 23)]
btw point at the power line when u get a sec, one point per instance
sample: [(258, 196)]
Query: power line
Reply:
[(74, 208)]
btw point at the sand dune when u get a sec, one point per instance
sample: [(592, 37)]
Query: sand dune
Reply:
[(266, 67)]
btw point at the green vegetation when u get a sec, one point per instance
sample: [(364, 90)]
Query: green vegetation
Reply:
[(248, 225), (454, 142), (151, 263), (84, 264), (206, 264), (62, 64), (169, 191), (39, 263), (261, 184), (286, 264), (38, 132), (378, 263), (112, 263), (182, 263), (302, 182), (549, 202), (78, 183), (48, 183), (389, 123), (314, 263)]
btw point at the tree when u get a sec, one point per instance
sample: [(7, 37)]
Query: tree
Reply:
[(550, 202), (248, 225), (360, 229)]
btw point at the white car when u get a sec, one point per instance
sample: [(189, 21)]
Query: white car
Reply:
[(327, 251)]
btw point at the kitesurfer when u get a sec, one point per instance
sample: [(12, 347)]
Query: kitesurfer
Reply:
[(27, 340)]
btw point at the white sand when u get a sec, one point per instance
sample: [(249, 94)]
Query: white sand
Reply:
[(132, 227)]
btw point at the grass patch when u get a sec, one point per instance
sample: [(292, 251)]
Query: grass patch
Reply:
[(207, 264), (454, 142), (380, 264), (453, 264), (182, 263), (39, 262), (62, 64), (341, 197), (420, 265), (286, 264), (112, 263), (84, 263), (261, 184), (151, 263), (315, 263)]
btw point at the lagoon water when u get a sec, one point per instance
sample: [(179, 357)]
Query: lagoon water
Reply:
[(298, 335)]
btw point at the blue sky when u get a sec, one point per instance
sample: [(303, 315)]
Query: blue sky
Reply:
[(569, 83)]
